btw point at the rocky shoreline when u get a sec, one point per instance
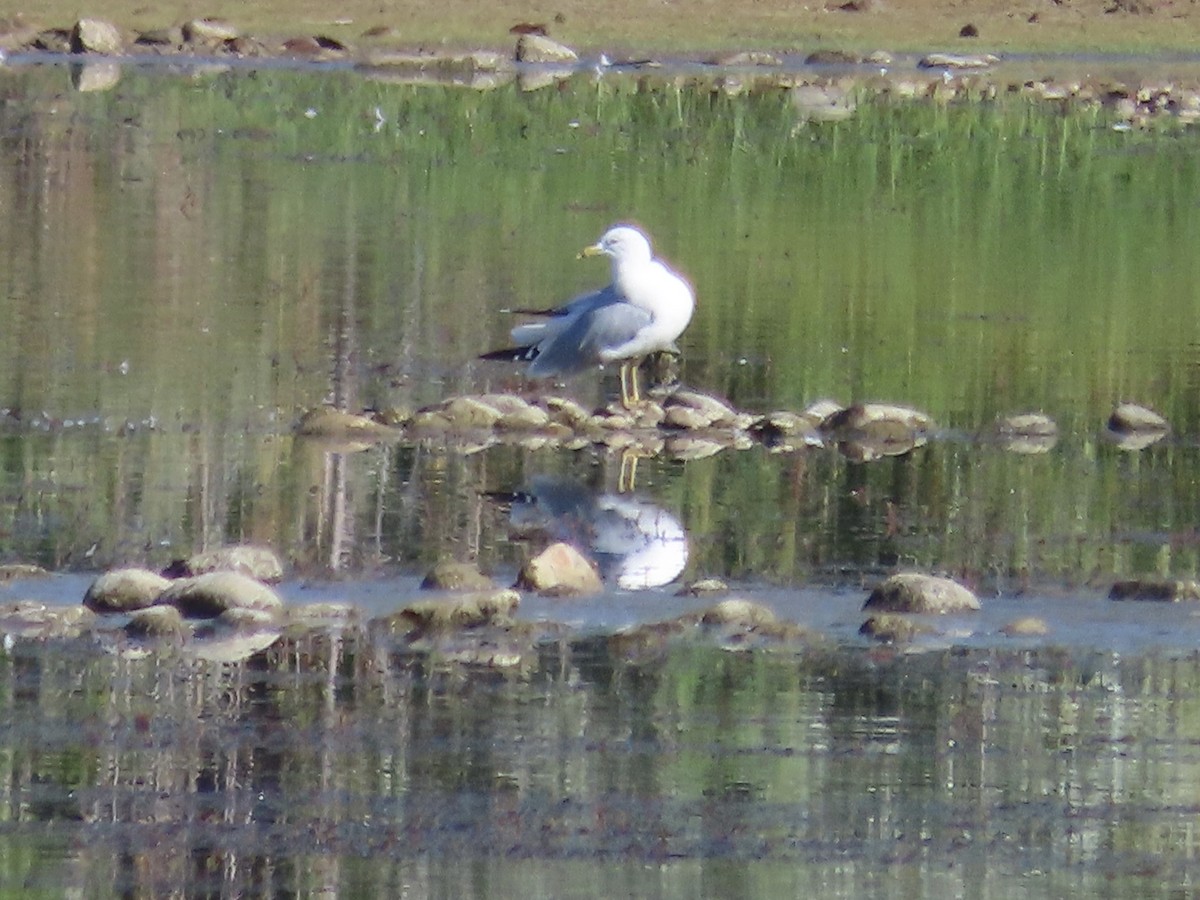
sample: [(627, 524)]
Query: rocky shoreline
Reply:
[(824, 84)]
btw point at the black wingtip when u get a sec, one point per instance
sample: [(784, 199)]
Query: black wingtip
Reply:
[(511, 354)]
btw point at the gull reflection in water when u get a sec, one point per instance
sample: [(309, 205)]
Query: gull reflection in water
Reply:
[(633, 542)]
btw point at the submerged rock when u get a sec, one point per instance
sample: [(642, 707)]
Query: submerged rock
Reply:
[(1163, 590), (913, 592), (209, 595), (955, 61), (1026, 626), (311, 617), (560, 571), (450, 575), (209, 31), (124, 590), (259, 563), (892, 628), (703, 587), (691, 410), (17, 571), (32, 620)]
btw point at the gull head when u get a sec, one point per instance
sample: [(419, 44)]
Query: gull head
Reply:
[(623, 243)]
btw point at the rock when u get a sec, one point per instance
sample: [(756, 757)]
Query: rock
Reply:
[(455, 613), (1130, 418), (913, 592), (739, 612), (260, 563), (450, 575), (867, 431), (1026, 626), (32, 620), (158, 623), (466, 413), (891, 628), (209, 31), (537, 48), (337, 424), (833, 58), (209, 595), (747, 58), (560, 570), (21, 571), (1026, 433), (954, 61), (516, 414), (1164, 590), (160, 37), (124, 590), (53, 40), (96, 36), (703, 587), (692, 410), (567, 412)]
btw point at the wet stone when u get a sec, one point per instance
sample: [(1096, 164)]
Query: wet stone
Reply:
[(1130, 418), (96, 36), (913, 592), (560, 571), (955, 61), (704, 587), (451, 575), (327, 422), (321, 617), (455, 613), (209, 31), (259, 563), (1028, 433), (1162, 590), (124, 590), (1026, 626), (691, 409), (868, 431), (747, 58), (235, 635), (19, 571), (209, 595), (892, 628)]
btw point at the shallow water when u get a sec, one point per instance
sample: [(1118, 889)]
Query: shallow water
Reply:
[(191, 261)]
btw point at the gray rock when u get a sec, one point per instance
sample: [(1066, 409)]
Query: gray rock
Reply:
[(209, 595), (516, 414), (747, 58), (1026, 626), (451, 575), (703, 587), (1130, 418), (913, 592), (32, 620), (537, 48), (96, 36), (890, 628), (312, 617), (124, 590), (1028, 433), (692, 410), (235, 635), (21, 571), (560, 570), (867, 431), (259, 563), (92, 77), (338, 424)]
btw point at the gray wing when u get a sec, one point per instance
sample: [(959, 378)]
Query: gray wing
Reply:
[(604, 321)]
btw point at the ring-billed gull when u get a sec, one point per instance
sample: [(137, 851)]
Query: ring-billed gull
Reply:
[(645, 308)]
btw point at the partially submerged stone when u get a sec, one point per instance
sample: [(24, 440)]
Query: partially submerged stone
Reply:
[(703, 587), (33, 620), (537, 48), (209, 595), (451, 575), (124, 590), (209, 31), (20, 571), (560, 570), (1029, 433), (338, 424), (454, 613), (692, 410), (892, 628), (747, 58), (96, 36), (329, 616), (914, 592), (1026, 626), (1163, 590), (868, 431), (1135, 427), (957, 61), (259, 563), (157, 623)]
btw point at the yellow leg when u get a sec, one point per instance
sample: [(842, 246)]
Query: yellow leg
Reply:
[(631, 396), (625, 385), (627, 479)]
